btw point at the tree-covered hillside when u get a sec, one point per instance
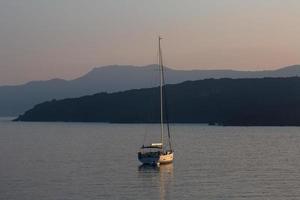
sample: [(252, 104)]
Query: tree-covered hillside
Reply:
[(266, 101)]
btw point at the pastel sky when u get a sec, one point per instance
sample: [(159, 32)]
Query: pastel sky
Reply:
[(44, 39)]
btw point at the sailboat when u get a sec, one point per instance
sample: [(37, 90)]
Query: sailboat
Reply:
[(159, 152)]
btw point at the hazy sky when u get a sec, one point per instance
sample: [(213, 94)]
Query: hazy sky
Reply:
[(43, 39)]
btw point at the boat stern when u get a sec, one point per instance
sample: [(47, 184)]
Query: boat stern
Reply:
[(149, 158)]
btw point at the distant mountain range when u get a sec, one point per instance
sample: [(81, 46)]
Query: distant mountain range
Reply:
[(15, 100), (242, 102)]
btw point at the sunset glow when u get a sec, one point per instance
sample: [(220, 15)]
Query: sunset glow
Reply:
[(66, 38)]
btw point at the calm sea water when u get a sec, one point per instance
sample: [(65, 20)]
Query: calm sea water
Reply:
[(54, 161)]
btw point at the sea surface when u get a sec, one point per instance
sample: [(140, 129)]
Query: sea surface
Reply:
[(88, 161)]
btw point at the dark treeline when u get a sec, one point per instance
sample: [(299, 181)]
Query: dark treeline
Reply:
[(265, 101)]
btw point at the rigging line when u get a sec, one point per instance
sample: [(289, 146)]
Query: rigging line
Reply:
[(161, 91), (145, 136), (166, 109), (164, 95), (151, 115)]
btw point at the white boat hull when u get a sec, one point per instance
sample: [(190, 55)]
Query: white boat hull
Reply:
[(165, 159)]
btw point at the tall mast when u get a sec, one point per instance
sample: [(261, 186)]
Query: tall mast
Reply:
[(161, 91)]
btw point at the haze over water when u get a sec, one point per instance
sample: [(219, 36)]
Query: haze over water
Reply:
[(99, 161)]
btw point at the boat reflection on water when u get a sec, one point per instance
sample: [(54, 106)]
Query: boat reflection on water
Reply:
[(149, 168), (162, 169), (160, 177)]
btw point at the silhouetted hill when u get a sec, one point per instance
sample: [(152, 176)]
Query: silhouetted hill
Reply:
[(14, 100), (265, 101)]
